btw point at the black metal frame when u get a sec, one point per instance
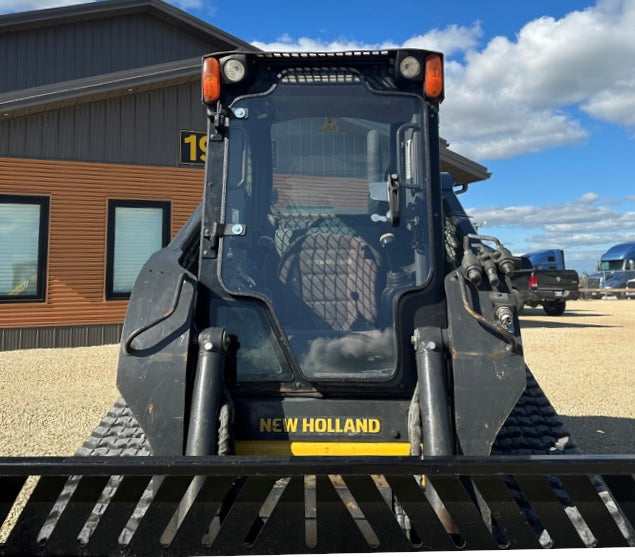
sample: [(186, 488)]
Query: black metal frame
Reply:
[(259, 505)]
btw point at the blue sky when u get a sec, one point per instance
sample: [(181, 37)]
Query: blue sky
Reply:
[(541, 92)]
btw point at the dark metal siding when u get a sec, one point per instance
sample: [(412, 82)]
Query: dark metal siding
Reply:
[(32, 57), (139, 128), (59, 337)]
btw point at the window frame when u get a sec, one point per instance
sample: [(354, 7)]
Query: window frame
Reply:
[(44, 202), (113, 204)]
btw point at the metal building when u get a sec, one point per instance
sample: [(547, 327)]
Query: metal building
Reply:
[(101, 150)]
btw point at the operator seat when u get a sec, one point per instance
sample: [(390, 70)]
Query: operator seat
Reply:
[(336, 274)]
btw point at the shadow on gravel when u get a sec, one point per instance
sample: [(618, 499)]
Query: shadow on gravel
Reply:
[(549, 323), (538, 312), (601, 434), (583, 313)]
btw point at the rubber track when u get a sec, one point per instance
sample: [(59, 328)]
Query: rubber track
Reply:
[(118, 434), (533, 427)]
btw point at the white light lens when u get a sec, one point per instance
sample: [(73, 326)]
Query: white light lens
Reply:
[(410, 67), (233, 70)]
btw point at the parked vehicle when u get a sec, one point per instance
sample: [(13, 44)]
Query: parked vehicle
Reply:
[(551, 259), (615, 269), (543, 281), (630, 289)]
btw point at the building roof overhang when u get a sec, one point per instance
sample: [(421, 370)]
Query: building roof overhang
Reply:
[(111, 8), (464, 171), (89, 89)]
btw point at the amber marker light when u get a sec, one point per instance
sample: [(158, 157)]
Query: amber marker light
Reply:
[(211, 80), (434, 76)]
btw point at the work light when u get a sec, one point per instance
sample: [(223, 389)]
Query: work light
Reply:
[(233, 70), (410, 67)]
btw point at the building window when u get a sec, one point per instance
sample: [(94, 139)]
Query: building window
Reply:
[(136, 229), (24, 225)]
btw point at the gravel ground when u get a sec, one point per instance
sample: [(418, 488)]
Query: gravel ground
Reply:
[(583, 360), (50, 400)]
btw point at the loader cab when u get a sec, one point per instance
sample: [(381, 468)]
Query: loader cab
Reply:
[(324, 307), (325, 213)]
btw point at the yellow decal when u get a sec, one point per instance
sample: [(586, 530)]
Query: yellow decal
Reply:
[(321, 448), (320, 425)]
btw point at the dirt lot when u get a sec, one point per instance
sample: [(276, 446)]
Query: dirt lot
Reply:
[(50, 400)]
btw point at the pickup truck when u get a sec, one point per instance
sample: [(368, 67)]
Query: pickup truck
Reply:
[(544, 287)]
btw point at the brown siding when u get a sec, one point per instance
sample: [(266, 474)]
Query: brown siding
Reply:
[(79, 194)]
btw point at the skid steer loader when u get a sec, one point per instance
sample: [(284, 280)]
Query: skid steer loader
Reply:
[(327, 357)]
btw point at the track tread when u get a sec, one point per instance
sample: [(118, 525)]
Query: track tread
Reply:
[(118, 434), (533, 427)]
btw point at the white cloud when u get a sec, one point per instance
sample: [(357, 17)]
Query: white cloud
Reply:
[(515, 96), (452, 39), (188, 4), (287, 43), (541, 241), (616, 105), (587, 198), (11, 6), (584, 227), (586, 213), (493, 128)]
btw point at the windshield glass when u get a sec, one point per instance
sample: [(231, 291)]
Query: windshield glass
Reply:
[(612, 265), (316, 235)]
